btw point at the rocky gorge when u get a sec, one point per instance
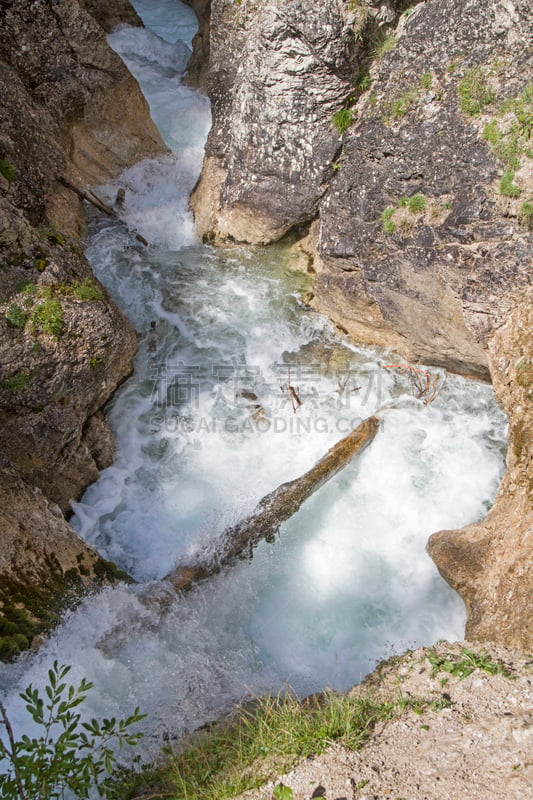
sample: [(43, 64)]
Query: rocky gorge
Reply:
[(395, 140), (390, 142), (70, 112)]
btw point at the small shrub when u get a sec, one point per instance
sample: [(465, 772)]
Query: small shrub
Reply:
[(7, 170), (342, 119), (86, 291), (69, 755), (16, 316), (386, 220), (474, 93), (17, 382), (48, 316), (507, 186)]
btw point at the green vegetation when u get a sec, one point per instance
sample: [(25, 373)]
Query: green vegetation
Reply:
[(282, 792), (342, 119), (385, 45), (265, 739), (403, 104), (509, 136), (48, 316), (474, 92), (40, 308), (463, 664), (86, 291), (507, 187), (51, 235), (386, 220), (404, 214), (526, 215), (17, 382), (416, 203), (7, 170), (426, 81), (364, 82), (68, 755), (16, 316)]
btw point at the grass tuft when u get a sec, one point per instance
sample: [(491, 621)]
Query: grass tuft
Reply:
[(507, 186), (265, 739), (474, 92), (342, 119)]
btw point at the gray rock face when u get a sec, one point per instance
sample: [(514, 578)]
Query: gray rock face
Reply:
[(425, 281), (278, 71)]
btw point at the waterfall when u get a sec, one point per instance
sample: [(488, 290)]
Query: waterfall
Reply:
[(207, 425)]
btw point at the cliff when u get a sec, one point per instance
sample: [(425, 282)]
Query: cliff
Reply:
[(404, 135), (70, 111)]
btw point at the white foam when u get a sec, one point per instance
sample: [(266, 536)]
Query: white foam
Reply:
[(349, 579)]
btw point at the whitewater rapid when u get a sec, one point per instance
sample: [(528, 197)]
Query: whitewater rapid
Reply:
[(348, 580)]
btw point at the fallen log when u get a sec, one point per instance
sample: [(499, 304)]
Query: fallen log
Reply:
[(273, 509), (238, 541)]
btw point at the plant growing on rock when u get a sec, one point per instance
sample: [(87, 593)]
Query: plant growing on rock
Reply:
[(7, 170), (68, 754), (474, 92), (342, 119)]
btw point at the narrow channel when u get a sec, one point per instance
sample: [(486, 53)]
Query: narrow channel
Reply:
[(206, 426)]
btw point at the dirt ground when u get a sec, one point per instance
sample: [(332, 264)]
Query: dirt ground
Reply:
[(473, 740)]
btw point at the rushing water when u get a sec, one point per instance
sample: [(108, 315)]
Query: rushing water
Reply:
[(348, 580)]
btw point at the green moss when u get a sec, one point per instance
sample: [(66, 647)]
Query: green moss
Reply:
[(507, 186), (7, 170), (51, 235), (29, 609), (17, 382), (474, 92), (107, 571), (342, 119)]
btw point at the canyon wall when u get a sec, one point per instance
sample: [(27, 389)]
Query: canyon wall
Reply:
[(404, 135), (70, 111)]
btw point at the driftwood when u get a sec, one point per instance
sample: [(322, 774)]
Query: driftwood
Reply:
[(239, 540), (264, 522), (97, 202)]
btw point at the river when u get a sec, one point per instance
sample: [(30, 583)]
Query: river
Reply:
[(206, 426)]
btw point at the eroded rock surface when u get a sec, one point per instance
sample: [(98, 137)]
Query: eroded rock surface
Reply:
[(70, 110), (278, 72), (423, 275), (491, 563)]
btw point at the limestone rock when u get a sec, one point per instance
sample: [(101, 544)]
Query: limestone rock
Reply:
[(491, 563), (43, 563), (277, 73), (71, 109), (424, 281)]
